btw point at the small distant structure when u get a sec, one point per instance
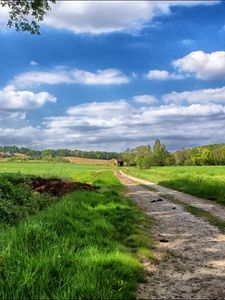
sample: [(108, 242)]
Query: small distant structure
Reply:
[(5, 154), (118, 162)]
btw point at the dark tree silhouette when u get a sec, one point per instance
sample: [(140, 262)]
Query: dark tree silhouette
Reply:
[(25, 15)]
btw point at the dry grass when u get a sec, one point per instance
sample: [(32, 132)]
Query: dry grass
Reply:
[(80, 160)]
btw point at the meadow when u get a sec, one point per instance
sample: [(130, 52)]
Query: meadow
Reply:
[(203, 181), (85, 245)]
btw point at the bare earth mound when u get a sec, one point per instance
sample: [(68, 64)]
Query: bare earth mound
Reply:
[(57, 186)]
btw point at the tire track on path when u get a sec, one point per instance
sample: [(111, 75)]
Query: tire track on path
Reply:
[(191, 254)]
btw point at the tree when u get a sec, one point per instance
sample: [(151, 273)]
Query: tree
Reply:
[(47, 154), (219, 155), (129, 157), (143, 157), (25, 15), (180, 157), (160, 154), (207, 157)]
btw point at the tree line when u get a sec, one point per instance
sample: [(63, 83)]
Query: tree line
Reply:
[(144, 157), (200, 156), (52, 154)]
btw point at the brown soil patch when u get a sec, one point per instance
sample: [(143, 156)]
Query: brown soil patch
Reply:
[(57, 186)]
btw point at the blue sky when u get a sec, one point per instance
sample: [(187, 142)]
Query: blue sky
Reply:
[(112, 75)]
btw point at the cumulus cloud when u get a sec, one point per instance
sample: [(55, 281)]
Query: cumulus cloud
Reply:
[(158, 74), (197, 96), (109, 76), (162, 75), (12, 99), (116, 125), (145, 99), (99, 17), (62, 76), (23, 136), (205, 66)]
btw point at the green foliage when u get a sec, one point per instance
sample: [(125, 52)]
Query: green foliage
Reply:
[(199, 156), (203, 181), (181, 157), (25, 15), (17, 201), (160, 154), (82, 247), (129, 157), (143, 157)]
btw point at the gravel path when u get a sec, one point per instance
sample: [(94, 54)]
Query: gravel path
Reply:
[(190, 251), (214, 208)]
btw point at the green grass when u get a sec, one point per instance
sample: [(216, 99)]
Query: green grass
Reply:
[(207, 182), (85, 246), (79, 172)]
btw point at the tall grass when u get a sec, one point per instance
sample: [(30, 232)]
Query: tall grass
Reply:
[(82, 247), (207, 182)]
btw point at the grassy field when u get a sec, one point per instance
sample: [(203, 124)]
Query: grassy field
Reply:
[(86, 245), (79, 172), (204, 181)]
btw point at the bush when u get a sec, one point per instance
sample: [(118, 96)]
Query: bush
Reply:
[(17, 200)]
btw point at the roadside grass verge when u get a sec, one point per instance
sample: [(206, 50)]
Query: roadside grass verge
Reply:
[(198, 212), (204, 182), (85, 246)]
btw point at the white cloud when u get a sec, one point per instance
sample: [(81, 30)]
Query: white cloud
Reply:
[(187, 42), (117, 125), (60, 76), (33, 63), (4, 14), (109, 76), (97, 17), (197, 96), (158, 75), (12, 99), (205, 66), (23, 136), (145, 99), (162, 75)]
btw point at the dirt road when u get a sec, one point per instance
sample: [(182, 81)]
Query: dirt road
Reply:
[(190, 251)]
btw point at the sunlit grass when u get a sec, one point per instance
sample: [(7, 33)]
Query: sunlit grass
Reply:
[(85, 246), (207, 182)]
